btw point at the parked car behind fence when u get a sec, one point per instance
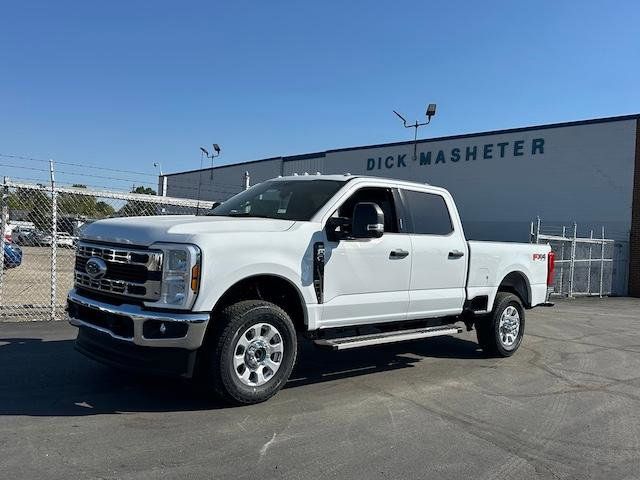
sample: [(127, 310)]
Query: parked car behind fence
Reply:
[(12, 255)]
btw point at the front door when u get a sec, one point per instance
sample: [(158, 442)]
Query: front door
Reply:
[(367, 280)]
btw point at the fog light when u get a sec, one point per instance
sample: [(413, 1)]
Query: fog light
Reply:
[(160, 329)]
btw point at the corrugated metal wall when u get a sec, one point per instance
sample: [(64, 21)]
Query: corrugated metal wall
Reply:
[(309, 165), (220, 183)]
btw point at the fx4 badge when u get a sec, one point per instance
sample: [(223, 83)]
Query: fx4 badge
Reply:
[(540, 257)]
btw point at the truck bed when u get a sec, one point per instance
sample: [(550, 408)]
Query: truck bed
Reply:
[(490, 262)]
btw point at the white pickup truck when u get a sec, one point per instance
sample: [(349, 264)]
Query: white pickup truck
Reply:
[(345, 261)]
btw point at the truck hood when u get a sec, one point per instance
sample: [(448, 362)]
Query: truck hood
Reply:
[(145, 231)]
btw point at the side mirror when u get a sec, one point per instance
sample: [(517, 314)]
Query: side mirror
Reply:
[(367, 221), (338, 228)]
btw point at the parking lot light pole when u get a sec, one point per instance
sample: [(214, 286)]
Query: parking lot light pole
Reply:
[(162, 191), (205, 153), (431, 111)]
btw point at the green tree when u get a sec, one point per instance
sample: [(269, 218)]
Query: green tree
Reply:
[(79, 205), (33, 204), (136, 208), (144, 190)]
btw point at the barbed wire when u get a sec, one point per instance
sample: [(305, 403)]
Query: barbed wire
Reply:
[(59, 162), (60, 183), (102, 177)]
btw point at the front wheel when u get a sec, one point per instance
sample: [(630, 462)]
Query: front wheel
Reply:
[(500, 332), (252, 352)]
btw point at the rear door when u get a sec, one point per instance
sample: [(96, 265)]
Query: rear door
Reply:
[(439, 255)]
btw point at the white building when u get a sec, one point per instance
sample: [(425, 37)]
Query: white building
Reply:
[(502, 180)]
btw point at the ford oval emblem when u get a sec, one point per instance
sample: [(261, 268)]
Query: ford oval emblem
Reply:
[(96, 267)]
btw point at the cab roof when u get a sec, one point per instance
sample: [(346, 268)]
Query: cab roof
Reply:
[(346, 177)]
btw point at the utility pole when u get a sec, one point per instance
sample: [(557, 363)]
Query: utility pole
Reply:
[(431, 111)]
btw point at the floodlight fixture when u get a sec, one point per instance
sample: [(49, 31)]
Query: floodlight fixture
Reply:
[(431, 111)]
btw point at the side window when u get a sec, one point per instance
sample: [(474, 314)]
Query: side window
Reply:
[(382, 196), (429, 213)]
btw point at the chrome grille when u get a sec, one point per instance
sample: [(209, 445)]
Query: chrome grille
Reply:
[(152, 259), (134, 273)]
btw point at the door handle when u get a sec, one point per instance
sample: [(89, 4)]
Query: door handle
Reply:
[(398, 253), (456, 254)]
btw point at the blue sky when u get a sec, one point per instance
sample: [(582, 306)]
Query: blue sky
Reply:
[(123, 84)]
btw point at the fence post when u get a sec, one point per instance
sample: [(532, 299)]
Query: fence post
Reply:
[(4, 211), (562, 258), (247, 180), (572, 264), (537, 229), (589, 268), (602, 263), (54, 239)]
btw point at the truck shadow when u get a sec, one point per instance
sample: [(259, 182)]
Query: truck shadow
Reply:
[(317, 365), (49, 378)]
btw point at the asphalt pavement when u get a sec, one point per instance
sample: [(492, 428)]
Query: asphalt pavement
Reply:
[(566, 405)]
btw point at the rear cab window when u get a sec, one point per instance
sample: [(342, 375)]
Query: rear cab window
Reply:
[(428, 213)]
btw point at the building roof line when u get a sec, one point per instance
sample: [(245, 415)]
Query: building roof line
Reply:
[(304, 156), (619, 118)]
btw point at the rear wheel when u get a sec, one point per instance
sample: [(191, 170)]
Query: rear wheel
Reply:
[(500, 332), (251, 355)]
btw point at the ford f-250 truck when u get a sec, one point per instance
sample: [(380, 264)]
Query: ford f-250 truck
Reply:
[(345, 261)]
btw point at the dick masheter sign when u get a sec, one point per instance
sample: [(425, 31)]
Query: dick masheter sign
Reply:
[(485, 151)]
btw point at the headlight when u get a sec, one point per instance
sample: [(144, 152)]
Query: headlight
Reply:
[(180, 275)]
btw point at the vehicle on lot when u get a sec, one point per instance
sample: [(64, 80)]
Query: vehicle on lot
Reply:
[(27, 237), (63, 239), (12, 255), (344, 261), (66, 240)]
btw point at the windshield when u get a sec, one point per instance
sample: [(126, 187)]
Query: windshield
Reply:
[(281, 199)]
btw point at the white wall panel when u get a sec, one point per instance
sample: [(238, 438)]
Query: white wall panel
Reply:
[(581, 173)]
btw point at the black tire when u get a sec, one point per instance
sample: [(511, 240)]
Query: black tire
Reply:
[(492, 341), (229, 326)]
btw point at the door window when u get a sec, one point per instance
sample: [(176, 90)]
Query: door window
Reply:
[(429, 213)]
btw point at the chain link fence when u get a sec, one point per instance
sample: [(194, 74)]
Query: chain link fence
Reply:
[(584, 265), (40, 226)]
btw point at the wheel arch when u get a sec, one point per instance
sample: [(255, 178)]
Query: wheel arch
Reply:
[(270, 287), (516, 282)]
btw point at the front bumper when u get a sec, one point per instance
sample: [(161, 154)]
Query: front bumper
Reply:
[(99, 346), (126, 323)]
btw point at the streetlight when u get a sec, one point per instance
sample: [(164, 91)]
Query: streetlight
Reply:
[(205, 153), (431, 111), (163, 190)]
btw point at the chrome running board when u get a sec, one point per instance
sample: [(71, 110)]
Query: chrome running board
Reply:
[(358, 341)]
